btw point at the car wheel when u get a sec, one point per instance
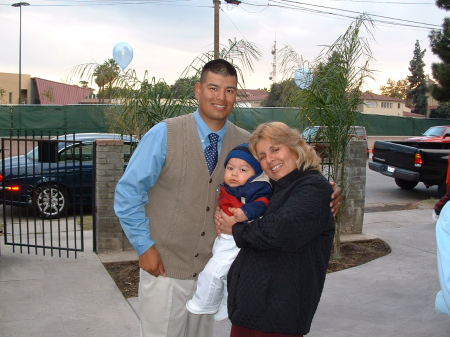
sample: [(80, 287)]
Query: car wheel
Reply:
[(405, 184), (50, 201)]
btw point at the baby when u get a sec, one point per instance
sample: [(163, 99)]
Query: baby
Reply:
[(245, 195)]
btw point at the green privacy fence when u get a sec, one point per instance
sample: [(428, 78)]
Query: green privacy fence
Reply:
[(48, 118), (92, 118), (379, 125)]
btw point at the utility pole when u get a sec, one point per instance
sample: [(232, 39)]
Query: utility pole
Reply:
[(20, 4), (216, 28)]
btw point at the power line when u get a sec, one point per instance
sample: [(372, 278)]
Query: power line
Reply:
[(389, 2), (272, 3), (354, 12)]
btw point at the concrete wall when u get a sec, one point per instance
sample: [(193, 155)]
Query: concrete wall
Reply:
[(352, 216), (109, 168)]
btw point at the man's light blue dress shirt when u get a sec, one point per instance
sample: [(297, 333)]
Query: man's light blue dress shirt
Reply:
[(442, 302), (142, 173)]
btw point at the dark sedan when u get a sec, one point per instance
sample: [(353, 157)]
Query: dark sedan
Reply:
[(55, 176)]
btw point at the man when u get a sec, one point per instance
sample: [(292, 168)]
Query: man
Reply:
[(166, 201)]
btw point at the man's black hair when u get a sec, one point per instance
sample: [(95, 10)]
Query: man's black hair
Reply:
[(218, 66)]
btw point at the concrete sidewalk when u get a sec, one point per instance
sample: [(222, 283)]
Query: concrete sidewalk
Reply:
[(44, 296), (391, 296)]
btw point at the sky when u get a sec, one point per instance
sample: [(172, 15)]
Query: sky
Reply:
[(166, 36)]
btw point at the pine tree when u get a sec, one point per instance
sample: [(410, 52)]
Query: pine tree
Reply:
[(445, 4), (440, 45), (417, 81)]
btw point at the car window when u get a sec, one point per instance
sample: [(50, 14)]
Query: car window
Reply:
[(74, 153)]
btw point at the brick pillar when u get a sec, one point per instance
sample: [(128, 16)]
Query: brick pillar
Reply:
[(109, 168), (352, 216)]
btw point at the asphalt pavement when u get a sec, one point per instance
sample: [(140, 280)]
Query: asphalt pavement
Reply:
[(393, 296)]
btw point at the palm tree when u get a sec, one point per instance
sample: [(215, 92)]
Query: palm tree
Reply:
[(105, 74), (334, 95)]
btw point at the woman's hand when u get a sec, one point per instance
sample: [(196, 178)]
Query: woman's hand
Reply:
[(224, 223), (336, 199)]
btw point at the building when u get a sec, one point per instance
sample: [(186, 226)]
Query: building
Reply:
[(251, 98), (40, 91), (383, 105), (9, 88), (50, 92)]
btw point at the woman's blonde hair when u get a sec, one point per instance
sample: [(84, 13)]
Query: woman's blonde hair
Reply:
[(280, 133)]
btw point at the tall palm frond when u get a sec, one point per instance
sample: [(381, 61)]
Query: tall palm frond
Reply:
[(240, 53)]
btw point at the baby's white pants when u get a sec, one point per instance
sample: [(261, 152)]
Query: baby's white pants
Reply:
[(211, 294)]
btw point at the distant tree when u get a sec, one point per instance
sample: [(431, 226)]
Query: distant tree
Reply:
[(398, 89), (281, 94), (104, 76), (445, 4), (440, 45), (443, 111), (184, 87), (417, 81), (84, 84)]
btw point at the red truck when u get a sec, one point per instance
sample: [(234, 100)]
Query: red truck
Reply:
[(438, 134)]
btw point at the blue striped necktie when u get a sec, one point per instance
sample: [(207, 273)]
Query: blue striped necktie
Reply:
[(211, 153)]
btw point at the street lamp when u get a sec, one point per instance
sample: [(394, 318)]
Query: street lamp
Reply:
[(20, 4)]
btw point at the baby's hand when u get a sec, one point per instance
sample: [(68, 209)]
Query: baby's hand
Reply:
[(238, 214)]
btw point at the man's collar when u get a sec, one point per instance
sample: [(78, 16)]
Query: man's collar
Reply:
[(204, 130)]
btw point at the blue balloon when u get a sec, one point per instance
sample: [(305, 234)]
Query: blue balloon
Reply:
[(122, 54), (303, 78)]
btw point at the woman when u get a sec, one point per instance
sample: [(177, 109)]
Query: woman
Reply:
[(276, 281)]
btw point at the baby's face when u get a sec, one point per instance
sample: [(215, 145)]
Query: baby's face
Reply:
[(237, 172)]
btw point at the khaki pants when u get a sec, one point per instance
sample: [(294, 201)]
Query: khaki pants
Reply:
[(162, 308)]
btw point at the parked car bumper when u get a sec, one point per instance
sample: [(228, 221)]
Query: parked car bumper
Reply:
[(394, 172), (14, 198)]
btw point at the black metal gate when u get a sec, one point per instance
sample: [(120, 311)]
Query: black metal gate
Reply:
[(46, 185)]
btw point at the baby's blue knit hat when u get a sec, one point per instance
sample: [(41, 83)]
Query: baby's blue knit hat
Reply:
[(242, 152)]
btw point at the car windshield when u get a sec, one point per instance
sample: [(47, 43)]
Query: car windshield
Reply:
[(434, 131)]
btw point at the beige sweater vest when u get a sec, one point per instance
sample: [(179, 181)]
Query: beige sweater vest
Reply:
[(182, 202)]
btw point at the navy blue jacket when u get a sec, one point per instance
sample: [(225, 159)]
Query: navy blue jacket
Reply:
[(275, 283)]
